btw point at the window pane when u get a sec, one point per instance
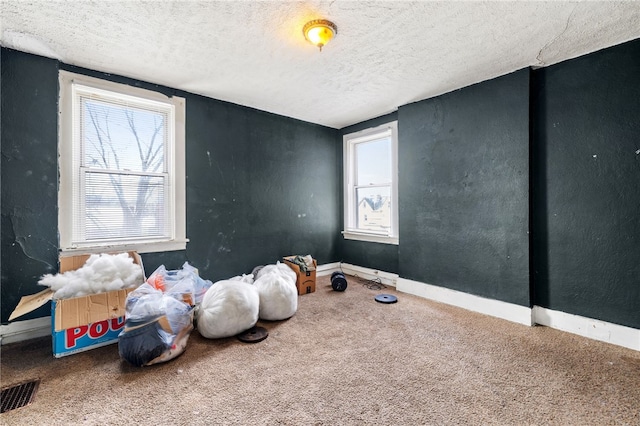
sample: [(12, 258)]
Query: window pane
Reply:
[(121, 137), (373, 212), (373, 162), (124, 206)]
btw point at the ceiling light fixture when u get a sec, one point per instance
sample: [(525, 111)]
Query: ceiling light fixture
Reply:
[(319, 32)]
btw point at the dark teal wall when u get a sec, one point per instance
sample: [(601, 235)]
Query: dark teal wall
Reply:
[(475, 165), (526, 188), (463, 184), (29, 211), (259, 186), (586, 181)]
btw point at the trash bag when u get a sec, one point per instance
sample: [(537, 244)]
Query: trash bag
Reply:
[(244, 278), (229, 307), (200, 285), (278, 296), (159, 317), (278, 268), (166, 281), (152, 342)]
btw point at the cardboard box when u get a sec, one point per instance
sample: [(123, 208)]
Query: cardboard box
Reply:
[(81, 323), (306, 280)]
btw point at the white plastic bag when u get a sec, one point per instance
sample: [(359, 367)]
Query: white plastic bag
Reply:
[(278, 268), (228, 308), (278, 296)]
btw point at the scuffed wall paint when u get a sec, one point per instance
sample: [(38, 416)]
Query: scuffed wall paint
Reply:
[(28, 237), (29, 176)]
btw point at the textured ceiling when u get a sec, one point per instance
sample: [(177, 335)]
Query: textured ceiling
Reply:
[(253, 53)]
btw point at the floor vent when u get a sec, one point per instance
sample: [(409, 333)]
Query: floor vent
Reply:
[(19, 395)]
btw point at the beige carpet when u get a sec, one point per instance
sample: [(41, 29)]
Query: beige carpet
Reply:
[(343, 359)]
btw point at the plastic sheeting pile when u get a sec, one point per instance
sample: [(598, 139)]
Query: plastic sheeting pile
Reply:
[(159, 316), (100, 273)]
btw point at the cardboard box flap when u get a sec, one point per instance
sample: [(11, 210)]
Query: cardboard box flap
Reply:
[(71, 313), (31, 303)]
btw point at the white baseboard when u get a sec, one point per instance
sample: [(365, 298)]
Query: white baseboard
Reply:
[(327, 269), (588, 327), (495, 308), (18, 331), (386, 278), (582, 326)]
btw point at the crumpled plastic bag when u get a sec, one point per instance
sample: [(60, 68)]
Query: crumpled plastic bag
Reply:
[(159, 316), (244, 278), (152, 342), (166, 281), (277, 268)]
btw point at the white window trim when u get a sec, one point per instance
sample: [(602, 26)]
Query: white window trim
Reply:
[(178, 241), (349, 141)]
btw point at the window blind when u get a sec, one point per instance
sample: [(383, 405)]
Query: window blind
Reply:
[(122, 158)]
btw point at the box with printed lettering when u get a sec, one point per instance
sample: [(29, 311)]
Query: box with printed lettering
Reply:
[(305, 269), (85, 322)]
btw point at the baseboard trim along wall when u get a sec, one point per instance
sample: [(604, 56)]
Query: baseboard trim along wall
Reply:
[(586, 327), (18, 331), (386, 278), (327, 269), (495, 308), (582, 326)]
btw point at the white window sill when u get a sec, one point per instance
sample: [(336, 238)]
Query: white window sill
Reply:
[(372, 238), (148, 247)]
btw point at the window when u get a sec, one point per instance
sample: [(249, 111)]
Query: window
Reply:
[(122, 172), (371, 184)]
